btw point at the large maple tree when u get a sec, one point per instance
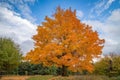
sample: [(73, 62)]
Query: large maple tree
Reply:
[(65, 42)]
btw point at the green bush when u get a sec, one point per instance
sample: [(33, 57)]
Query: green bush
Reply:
[(103, 67)]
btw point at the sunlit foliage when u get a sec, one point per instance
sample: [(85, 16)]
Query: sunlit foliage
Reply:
[(65, 42)]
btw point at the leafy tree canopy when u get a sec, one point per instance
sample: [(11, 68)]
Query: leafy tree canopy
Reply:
[(65, 42), (9, 55)]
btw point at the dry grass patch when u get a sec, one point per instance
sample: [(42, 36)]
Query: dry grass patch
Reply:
[(14, 77)]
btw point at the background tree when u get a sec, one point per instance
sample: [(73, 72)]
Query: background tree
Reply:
[(65, 42), (10, 56), (103, 66)]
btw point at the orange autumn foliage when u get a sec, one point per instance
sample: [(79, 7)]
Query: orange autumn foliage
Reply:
[(64, 41)]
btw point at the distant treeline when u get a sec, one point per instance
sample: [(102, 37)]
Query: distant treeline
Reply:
[(102, 67)]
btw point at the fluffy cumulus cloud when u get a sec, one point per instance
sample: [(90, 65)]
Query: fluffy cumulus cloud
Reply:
[(14, 26), (108, 30), (21, 5)]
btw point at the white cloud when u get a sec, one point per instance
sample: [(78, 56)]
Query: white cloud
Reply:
[(25, 11), (100, 7), (21, 6), (3, 4), (115, 16), (79, 14), (109, 30), (26, 46), (108, 4), (19, 29)]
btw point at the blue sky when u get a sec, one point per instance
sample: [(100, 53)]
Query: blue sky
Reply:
[(19, 18)]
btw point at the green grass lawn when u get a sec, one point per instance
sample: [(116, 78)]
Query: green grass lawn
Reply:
[(86, 77)]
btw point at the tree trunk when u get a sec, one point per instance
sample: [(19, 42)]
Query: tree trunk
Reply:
[(64, 71)]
